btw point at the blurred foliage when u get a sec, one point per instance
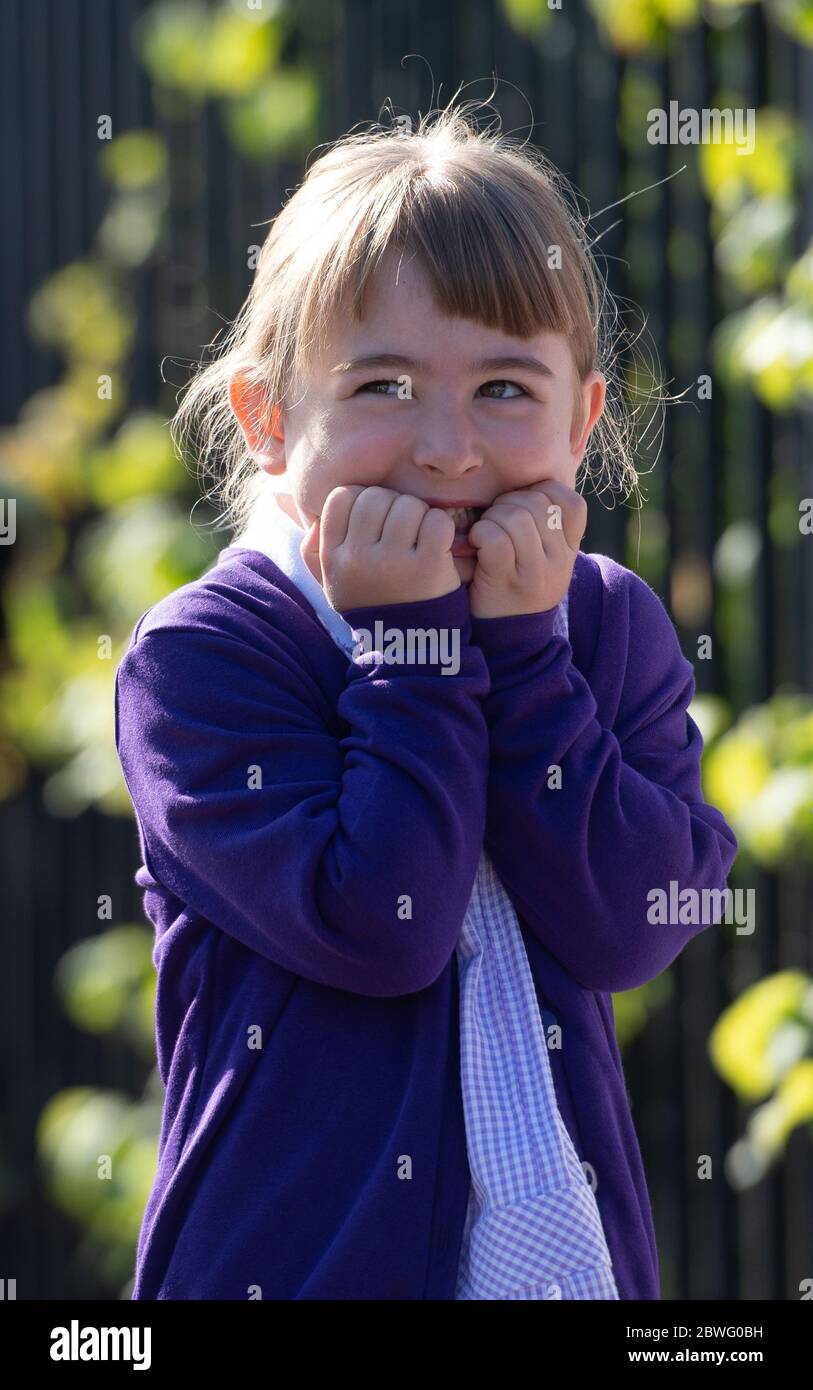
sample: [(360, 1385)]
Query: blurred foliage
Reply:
[(79, 448), (646, 26), (195, 53), (760, 775), (77, 459), (97, 1149), (633, 26), (633, 1008), (762, 1043), (753, 209), (759, 771), (528, 17), (205, 52), (769, 343), (108, 982), (104, 532), (78, 1130)]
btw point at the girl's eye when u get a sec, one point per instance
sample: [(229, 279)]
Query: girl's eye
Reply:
[(521, 389), (373, 385), (368, 385)]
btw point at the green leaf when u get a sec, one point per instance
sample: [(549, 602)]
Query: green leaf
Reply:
[(96, 978), (135, 159), (239, 53), (278, 117), (527, 16), (740, 1041), (173, 39), (139, 461)]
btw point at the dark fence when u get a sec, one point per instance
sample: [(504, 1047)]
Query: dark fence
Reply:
[(64, 63)]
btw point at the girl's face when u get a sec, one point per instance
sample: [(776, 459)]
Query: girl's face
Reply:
[(436, 410)]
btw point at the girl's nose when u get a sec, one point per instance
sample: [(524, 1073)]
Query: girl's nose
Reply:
[(446, 452), (454, 468)]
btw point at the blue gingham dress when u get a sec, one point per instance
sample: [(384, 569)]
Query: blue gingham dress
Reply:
[(532, 1229)]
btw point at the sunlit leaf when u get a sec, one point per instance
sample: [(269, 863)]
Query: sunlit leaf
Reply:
[(139, 461), (678, 13), (96, 978), (771, 1126), (769, 344), (760, 775), (767, 171), (527, 16), (135, 159), (239, 52), (795, 1094), (37, 636), (737, 552), (97, 1151), (173, 37), (75, 1130), (131, 229), (739, 1043), (278, 117), (629, 25), (81, 310), (779, 356), (756, 242), (769, 823), (736, 770), (795, 16), (91, 777), (134, 555), (799, 282)]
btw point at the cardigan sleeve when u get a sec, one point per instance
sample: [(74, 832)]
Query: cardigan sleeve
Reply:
[(341, 843), (579, 860)]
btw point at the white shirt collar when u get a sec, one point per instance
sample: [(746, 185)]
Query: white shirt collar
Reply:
[(273, 532)]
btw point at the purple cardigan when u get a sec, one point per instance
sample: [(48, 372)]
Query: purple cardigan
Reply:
[(312, 1141)]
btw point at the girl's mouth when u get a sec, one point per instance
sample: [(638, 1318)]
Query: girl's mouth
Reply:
[(463, 518)]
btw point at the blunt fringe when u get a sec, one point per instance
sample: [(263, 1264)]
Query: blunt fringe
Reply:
[(495, 227)]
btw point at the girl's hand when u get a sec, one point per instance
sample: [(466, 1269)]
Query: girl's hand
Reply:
[(526, 542), (372, 545)]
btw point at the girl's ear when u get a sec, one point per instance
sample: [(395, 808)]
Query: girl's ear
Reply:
[(594, 392), (260, 422)]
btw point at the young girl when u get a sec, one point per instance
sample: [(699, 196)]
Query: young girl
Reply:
[(406, 764)]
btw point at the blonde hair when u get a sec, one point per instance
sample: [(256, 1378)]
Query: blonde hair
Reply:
[(484, 214)]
